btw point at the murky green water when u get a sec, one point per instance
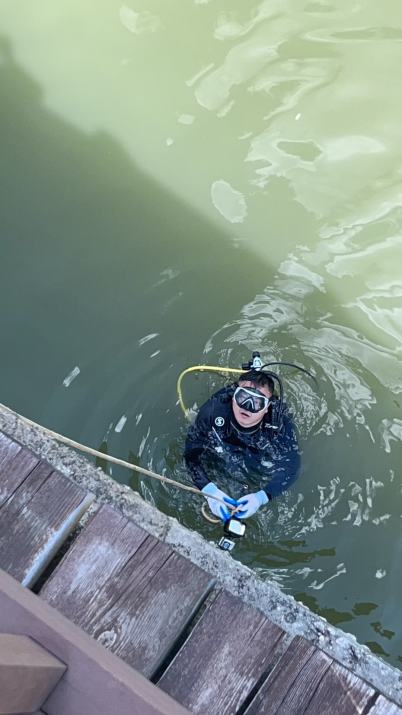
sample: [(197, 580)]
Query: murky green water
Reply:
[(184, 182)]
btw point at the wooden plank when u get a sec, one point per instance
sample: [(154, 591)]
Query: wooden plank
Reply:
[(40, 510), (15, 465), (383, 706), (95, 682), (8, 448), (230, 649), (340, 692), (28, 674), (291, 685), (126, 589)]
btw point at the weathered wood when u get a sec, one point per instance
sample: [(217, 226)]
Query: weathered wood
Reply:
[(39, 508), (382, 706), (127, 589), (291, 685), (230, 649), (340, 692), (95, 682), (28, 674), (15, 465)]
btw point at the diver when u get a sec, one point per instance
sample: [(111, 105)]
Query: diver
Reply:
[(245, 437)]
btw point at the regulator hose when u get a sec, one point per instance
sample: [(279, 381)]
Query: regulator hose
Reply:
[(238, 371)]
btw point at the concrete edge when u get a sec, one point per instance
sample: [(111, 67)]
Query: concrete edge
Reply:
[(283, 609)]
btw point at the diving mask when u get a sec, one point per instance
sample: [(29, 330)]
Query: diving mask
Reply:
[(250, 400)]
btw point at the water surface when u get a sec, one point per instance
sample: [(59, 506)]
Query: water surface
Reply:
[(185, 182)]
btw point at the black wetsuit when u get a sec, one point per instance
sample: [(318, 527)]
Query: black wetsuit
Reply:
[(242, 460)]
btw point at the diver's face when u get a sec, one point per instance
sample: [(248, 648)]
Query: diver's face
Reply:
[(242, 416)]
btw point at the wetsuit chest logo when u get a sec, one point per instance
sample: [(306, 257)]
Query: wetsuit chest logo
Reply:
[(219, 421)]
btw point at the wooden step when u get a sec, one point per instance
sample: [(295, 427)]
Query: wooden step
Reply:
[(28, 674)]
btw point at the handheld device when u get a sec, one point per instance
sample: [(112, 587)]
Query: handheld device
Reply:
[(233, 528)]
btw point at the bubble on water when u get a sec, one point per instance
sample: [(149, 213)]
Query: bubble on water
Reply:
[(304, 572), (381, 519), (138, 22), (380, 573), (341, 569), (391, 431), (230, 203), (71, 376), (186, 119), (120, 424), (192, 413), (146, 492), (143, 442), (167, 274), (145, 339)]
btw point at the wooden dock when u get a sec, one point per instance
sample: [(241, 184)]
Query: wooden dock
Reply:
[(158, 612)]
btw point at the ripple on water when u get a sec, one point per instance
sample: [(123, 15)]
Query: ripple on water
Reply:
[(391, 431)]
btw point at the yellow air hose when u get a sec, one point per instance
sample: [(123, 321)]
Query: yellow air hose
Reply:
[(202, 368)]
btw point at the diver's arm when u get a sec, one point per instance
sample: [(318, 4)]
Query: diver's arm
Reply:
[(197, 440), (286, 464)]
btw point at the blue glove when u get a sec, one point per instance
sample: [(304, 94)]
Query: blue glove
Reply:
[(217, 508), (249, 504)]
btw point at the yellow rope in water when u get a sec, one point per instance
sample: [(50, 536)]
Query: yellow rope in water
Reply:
[(211, 519), (109, 458)]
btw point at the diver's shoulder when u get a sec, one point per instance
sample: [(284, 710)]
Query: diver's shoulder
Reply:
[(279, 419), (224, 395), (220, 401)]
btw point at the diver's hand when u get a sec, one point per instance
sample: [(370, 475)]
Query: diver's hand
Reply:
[(217, 508), (248, 505)]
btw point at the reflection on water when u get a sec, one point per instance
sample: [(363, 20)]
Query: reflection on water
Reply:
[(187, 182)]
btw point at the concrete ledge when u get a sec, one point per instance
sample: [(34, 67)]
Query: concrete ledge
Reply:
[(281, 608)]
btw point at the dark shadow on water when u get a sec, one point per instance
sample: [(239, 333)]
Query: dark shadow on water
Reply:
[(330, 614), (95, 255)]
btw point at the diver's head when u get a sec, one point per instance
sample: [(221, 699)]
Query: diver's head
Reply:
[(252, 398)]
